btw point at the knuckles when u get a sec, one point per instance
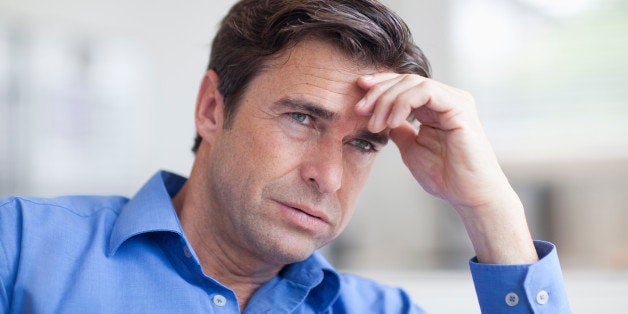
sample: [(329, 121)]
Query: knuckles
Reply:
[(381, 97)]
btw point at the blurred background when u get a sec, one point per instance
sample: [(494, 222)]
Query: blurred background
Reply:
[(95, 96)]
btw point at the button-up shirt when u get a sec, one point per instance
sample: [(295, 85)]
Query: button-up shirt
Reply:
[(111, 254)]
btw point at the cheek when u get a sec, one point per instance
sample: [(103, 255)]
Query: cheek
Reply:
[(278, 151), (357, 169), (354, 179)]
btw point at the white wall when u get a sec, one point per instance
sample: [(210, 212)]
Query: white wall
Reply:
[(172, 42)]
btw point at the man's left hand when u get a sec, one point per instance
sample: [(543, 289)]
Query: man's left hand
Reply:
[(450, 157)]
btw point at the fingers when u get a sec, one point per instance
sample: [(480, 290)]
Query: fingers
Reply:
[(375, 86), (406, 136), (403, 136), (389, 99), (393, 103), (367, 81), (392, 97)]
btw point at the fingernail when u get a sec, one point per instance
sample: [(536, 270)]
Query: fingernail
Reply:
[(367, 77)]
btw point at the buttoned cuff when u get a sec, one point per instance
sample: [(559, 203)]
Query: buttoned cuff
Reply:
[(525, 288)]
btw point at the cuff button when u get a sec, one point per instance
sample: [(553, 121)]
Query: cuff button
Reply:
[(542, 297)]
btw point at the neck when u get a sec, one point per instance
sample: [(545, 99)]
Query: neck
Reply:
[(230, 265)]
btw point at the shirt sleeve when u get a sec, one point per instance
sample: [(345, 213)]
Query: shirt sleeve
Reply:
[(7, 223), (4, 296), (526, 288)]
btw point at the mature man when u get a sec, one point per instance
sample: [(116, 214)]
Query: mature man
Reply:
[(298, 98)]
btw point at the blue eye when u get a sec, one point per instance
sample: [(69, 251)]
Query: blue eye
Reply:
[(363, 145), (301, 118)]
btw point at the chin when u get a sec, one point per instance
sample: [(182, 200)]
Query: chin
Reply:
[(288, 251)]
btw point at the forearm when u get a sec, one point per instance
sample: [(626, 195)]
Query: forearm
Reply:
[(499, 231), (450, 157)]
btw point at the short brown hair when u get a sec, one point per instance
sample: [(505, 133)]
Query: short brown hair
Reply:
[(255, 30)]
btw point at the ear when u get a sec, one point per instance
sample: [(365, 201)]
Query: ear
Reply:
[(209, 115)]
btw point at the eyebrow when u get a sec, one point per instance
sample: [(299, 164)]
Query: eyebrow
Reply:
[(380, 138), (308, 107)]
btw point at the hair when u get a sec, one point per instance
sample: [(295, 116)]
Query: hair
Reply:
[(255, 30)]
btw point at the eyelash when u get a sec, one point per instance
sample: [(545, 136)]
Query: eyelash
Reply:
[(300, 118), (294, 116), (371, 148)]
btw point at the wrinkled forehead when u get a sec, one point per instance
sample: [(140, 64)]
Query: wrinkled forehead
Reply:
[(320, 77), (316, 69)]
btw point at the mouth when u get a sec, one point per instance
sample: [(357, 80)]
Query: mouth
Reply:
[(304, 216)]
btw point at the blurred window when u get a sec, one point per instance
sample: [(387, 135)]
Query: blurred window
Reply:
[(549, 77)]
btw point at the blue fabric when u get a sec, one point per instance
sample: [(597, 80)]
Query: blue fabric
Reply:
[(493, 283), (96, 254)]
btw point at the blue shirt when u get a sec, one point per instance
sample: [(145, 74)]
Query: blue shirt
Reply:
[(97, 254)]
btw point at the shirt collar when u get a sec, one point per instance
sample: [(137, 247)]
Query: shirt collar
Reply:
[(317, 275), (149, 210)]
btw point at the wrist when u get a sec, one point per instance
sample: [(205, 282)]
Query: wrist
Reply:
[(499, 232)]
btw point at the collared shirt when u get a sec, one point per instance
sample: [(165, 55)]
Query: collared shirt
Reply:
[(98, 254)]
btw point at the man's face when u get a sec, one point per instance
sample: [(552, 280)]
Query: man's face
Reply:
[(284, 179)]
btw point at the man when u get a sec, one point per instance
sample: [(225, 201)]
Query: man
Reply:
[(298, 98)]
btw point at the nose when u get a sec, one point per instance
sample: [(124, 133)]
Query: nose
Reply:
[(323, 167)]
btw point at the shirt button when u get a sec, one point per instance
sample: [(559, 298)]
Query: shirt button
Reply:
[(219, 300), (512, 299), (186, 251), (542, 297)]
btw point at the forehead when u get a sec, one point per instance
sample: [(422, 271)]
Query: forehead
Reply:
[(316, 71)]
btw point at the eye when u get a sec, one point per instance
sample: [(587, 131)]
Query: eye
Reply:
[(301, 118), (364, 146)]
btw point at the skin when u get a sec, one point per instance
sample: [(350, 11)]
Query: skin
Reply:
[(284, 179)]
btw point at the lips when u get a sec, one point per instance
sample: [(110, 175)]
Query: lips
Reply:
[(308, 210)]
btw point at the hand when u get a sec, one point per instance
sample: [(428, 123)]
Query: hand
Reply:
[(451, 157)]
